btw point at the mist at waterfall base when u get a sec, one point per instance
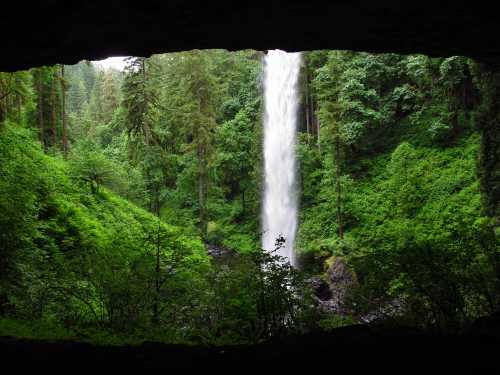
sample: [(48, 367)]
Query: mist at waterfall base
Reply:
[(279, 206)]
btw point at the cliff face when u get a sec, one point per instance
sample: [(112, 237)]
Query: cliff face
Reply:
[(59, 31), (489, 160)]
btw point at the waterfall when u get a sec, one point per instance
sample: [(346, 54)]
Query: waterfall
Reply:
[(279, 208)]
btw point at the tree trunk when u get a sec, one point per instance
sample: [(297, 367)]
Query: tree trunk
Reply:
[(156, 317), (145, 126), (202, 173), (53, 110), (453, 107), (40, 108), (318, 131), (464, 100), (243, 203), (311, 111), (63, 113), (339, 192), (308, 123), (202, 190), (19, 111)]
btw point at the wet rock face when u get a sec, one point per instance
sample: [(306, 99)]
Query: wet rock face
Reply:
[(340, 275), (66, 32), (221, 255), (217, 251), (321, 289), (331, 295), (341, 280)]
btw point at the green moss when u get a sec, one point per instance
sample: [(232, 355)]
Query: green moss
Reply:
[(329, 262), (335, 321)]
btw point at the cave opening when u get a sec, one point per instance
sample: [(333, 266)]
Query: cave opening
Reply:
[(132, 187)]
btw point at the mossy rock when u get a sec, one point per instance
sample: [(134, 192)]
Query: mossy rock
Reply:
[(329, 262), (212, 226)]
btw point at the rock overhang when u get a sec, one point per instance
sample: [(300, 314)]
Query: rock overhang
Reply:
[(56, 31)]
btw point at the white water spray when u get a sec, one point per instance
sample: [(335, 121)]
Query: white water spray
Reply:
[(279, 209)]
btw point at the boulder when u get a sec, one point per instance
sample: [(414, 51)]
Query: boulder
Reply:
[(221, 255), (321, 289), (331, 293), (341, 280)]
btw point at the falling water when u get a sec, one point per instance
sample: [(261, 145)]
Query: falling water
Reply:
[(279, 211)]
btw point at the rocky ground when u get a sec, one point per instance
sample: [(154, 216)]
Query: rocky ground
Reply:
[(331, 294)]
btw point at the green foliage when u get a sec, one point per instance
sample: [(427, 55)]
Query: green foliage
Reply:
[(45, 330), (16, 97), (92, 167), (92, 266), (259, 297), (107, 244), (23, 181), (192, 120), (411, 206), (81, 257), (334, 321)]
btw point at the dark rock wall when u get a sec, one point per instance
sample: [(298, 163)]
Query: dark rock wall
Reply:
[(56, 31), (488, 122)]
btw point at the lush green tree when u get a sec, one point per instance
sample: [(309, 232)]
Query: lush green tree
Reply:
[(164, 160)]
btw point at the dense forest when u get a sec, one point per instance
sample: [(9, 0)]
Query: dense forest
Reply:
[(117, 188)]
